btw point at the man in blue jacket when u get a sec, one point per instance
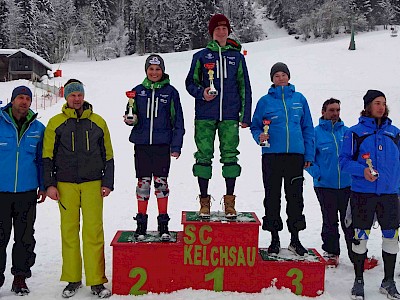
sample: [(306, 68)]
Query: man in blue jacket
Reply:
[(21, 184), (290, 137), (371, 155), (331, 186), (219, 82)]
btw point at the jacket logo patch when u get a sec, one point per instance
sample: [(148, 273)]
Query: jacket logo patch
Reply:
[(163, 101), (143, 93), (164, 95), (231, 63), (210, 56)]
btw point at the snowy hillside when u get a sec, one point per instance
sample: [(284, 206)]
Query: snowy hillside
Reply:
[(319, 70)]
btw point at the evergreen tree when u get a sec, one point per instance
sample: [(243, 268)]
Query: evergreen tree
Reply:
[(44, 25), (4, 32), (64, 28), (25, 31), (202, 10)]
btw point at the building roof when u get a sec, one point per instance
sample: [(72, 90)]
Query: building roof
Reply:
[(10, 52)]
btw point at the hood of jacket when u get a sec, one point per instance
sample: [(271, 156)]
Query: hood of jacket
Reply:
[(71, 113), (230, 45), (148, 84)]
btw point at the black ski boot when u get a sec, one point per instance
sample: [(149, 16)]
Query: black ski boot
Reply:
[(140, 232), (163, 220), (275, 245)]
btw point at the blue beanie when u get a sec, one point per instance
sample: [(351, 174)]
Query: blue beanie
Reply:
[(21, 90), (73, 87)]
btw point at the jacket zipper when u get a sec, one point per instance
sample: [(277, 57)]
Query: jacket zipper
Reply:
[(152, 113), (287, 120), (222, 70), (337, 153), (17, 158)]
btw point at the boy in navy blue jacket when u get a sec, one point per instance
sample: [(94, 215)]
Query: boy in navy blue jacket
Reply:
[(290, 149), (371, 155), (158, 129)]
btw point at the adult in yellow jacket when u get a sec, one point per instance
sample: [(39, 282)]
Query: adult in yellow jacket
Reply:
[(79, 173)]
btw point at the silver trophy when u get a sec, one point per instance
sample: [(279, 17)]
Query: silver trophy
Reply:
[(266, 128), (210, 67)]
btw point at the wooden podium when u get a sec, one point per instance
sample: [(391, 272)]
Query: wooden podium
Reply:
[(216, 254)]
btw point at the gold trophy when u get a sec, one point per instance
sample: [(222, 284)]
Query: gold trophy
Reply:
[(210, 67), (131, 95), (368, 160), (266, 128)]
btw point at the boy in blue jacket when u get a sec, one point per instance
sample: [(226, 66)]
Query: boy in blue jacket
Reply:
[(371, 155), (158, 129), (219, 82), (290, 138), (21, 184)]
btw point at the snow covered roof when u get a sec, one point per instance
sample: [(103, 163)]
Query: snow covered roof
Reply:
[(10, 52)]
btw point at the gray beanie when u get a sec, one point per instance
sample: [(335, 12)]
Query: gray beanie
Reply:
[(279, 67), (154, 59)]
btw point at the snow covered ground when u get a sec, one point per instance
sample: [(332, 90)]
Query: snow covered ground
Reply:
[(318, 69)]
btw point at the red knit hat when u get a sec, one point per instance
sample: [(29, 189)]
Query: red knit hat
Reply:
[(218, 20)]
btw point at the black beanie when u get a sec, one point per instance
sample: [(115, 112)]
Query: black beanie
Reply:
[(371, 95), (154, 59), (279, 67)]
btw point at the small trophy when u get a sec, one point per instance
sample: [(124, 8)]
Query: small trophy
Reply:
[(368, 160), (266, 128), (210, 67), (131, 95)]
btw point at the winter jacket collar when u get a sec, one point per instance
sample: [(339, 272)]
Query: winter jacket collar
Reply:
[(372, 123), (71, 113), (230, 45), (148, 84), (7, 113), (278, 91), (327, 124)]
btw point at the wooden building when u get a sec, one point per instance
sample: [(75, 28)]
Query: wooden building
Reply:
[(22, 64)]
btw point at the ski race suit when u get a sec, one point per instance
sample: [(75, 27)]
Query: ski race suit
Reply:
[(21, 173), (78, 160), (231, 106), (331, 185), (291, 139), (382, 143)]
